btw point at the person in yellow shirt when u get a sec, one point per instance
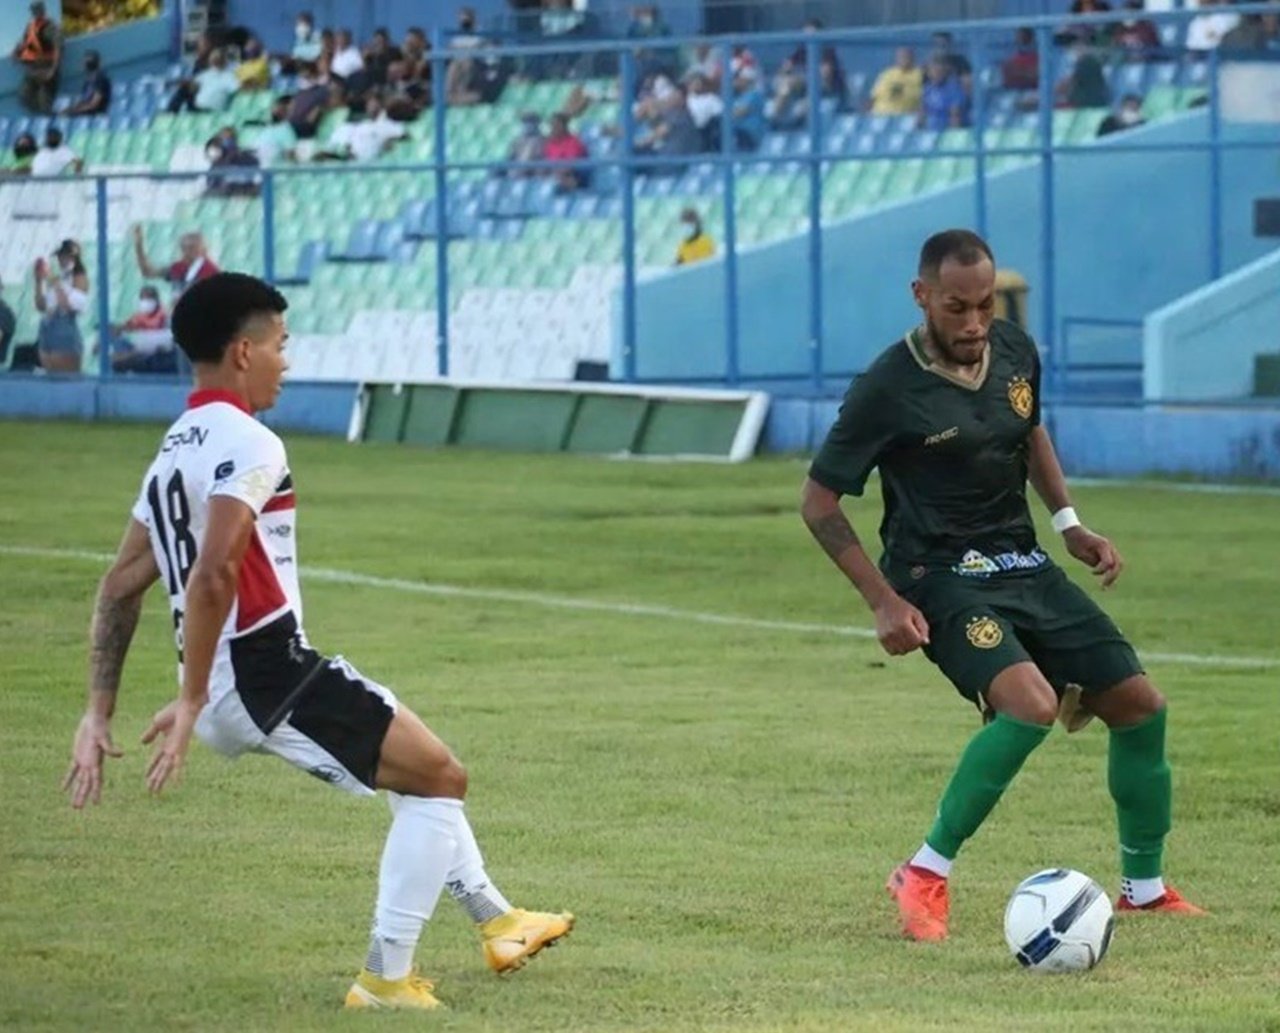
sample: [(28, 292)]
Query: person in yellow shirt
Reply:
[(254, 72), (697, 245), (898, 88)]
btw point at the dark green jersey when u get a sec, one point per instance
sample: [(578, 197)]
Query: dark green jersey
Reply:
[(952, 457)]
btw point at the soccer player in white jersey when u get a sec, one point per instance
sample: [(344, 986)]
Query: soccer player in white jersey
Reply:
[(214, 523)]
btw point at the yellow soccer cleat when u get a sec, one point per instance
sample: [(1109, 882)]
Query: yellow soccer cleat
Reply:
[(512, 939), (410, 993)]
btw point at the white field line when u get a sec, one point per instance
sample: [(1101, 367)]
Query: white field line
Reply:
[(565, 602)]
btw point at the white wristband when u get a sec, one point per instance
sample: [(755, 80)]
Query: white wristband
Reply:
[(1065, 519)]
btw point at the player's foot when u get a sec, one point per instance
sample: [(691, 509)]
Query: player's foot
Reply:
[(1171, 901), (411, 992), (922, 902), (512, 939)]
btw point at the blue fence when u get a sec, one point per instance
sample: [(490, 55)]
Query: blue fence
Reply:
[(1104, 230)]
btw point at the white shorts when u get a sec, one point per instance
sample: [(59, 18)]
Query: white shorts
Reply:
[(334, 730)]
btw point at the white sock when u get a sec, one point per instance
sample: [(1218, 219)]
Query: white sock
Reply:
[(931, 861), (1142, 891), (420, 847), (468, 882)]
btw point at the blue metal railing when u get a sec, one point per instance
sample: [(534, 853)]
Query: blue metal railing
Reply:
[(729, 160)]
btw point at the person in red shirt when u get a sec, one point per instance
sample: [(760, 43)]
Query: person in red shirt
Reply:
[(193, 262), (563, 145)]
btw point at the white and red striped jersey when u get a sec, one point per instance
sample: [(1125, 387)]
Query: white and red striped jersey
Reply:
[(215, 448)]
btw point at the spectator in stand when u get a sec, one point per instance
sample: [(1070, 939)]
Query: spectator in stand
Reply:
[(1137, 37), (379, 56), (1205, 31), (749, 122), (306, 44), (705, 108), (370, 137), (55, 158), (957, 64), (899, 88), (647, 24), (61, 294), (142, 344), (529, 145), (277, 141), (789, 105), (347, 59), (1021, 70), (742, 60), (95, 94), (254, 70), (697, 245), (1127, 116), (471, 80), (671, 132), (231, 169), (945, 103), (309, 104), (1085, 86), (39, 52), (1256, 32), (1097, 34), (707, 63), (193, 262), (328, 47), (564, 145), (409, 78), (210, 90), (8, 326), (25, 150)]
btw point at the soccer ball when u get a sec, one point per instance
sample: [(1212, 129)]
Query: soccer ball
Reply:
[(1058, 920)]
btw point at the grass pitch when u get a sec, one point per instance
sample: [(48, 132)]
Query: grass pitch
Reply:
[(719, 803)]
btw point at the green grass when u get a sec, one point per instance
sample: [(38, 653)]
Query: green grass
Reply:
[(720, 805)]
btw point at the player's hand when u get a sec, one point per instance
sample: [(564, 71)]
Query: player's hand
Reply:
[(1096, 552), (173, 725), (900, 627), (91, 746)]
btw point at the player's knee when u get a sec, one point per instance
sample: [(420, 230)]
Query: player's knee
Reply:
[(1041, 708), (446, 777)]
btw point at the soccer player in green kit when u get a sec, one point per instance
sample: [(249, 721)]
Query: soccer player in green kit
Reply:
[(951, 416)]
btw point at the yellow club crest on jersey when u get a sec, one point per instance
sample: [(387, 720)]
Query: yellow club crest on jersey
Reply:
[(984, 633), (1021, 397)]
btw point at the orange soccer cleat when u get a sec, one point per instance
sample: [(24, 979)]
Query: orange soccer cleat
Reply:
[(922, 902), (1171, 901)]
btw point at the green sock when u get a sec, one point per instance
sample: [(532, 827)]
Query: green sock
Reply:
[(1138, 777), (986, 768)]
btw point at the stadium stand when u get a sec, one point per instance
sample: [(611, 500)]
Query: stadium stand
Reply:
[(532, 271)]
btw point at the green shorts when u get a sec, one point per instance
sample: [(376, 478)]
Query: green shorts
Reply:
[(980, 626)]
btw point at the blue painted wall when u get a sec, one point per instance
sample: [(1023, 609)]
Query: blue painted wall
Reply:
[(1131, 235), (1203, 345), (1103, 441)]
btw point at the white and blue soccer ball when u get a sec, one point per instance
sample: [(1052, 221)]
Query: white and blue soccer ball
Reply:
[(1058, 920)]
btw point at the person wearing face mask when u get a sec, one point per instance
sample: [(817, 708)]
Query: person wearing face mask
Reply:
[(142, 343), (1127, 116), (39, 52), (95, 94), (529, 145), (61, 294), (24, 153), (697, 245), (229, 166)]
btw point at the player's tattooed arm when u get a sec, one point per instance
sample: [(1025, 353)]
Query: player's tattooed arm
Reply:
[(834, 533), (114, 622), (116, 613)]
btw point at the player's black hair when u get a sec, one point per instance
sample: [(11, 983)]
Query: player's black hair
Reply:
[(212, 312), (964, 246)]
